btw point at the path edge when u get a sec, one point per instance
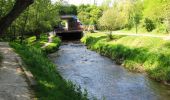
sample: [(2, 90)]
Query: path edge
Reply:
[(29, 76)]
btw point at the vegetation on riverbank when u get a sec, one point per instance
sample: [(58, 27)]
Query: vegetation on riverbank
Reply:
[(50, 85), (49, 48), (142, 54)]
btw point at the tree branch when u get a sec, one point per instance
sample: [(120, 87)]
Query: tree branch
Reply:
[(19, 7)]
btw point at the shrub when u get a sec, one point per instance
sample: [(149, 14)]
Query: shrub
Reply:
[(161, 28), (149, 25)]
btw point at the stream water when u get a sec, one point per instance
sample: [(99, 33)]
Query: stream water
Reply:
[(104, 79)]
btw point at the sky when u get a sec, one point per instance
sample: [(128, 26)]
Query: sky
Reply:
[(78, 2)]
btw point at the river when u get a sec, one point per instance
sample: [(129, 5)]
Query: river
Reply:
[(104, 79)]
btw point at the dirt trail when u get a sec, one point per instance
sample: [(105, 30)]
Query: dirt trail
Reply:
[(50, 39), (13, 84)]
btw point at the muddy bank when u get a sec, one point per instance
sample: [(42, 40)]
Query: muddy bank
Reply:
[(103, 78)]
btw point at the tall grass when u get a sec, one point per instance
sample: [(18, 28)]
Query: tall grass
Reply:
[(141, 54), (50, 85)]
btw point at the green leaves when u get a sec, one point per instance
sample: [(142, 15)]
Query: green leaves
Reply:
[(149, 25), (158, 12), (113, 19), (89, 14)]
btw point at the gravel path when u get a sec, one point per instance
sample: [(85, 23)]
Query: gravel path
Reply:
[(13, 84)]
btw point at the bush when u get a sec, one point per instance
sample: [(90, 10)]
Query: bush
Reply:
[(161, 28), (149, 25)]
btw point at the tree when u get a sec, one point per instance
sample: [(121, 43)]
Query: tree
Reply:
[(41, 16), (89, 14), (19, 7), (134, 9), (67, 10), (166, 14), (5, 7), (158, 12), (106, 4), (114, 18)]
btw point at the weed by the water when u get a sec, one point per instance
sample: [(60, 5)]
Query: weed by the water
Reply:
[(51, 47), (135, 53)]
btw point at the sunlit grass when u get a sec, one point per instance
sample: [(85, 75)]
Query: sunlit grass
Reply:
[(142, 54), (51, 47)]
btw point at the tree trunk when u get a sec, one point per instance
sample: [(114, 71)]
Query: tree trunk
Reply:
[(19, 7), (136, 28), (24, 25)]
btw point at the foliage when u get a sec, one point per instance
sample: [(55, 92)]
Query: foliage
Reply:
[(42, 16), (116, 20), (50, 48), (153, 9), (5, 7), (135, 53), (158, 12), (106, 4), (134, 9), (149, 25), (68, 10), (89, 14), (51, 86), (154, 13), (121, 15)]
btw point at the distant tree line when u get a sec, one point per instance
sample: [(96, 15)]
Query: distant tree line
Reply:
[(138, 15), (43, 15), (143, 15)]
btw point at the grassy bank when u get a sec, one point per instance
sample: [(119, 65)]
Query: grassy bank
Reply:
[(50, 48), (50, 85), (142, 54)]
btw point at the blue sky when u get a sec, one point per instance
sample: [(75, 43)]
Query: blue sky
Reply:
[(77, 2)]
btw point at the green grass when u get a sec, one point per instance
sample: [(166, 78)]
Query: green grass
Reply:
[(43, 40), (50, 85), (141, 54)]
